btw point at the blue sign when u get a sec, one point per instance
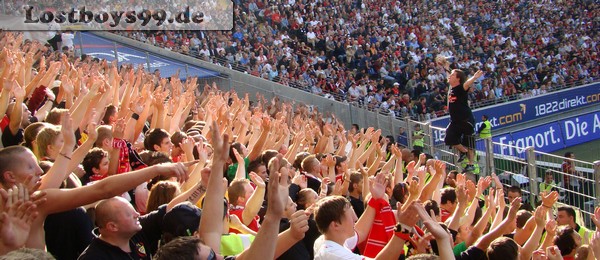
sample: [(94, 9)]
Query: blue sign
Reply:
[(550, 137), (516, 112), (102, 48)]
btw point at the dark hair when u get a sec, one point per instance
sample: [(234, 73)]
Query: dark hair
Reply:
[(92, 160), (110, 111), (181, 248), (238, 147), (515, 188), (568, 154), (253, 165), (267, 155), (432, 205), (448, 195), (330, 209), (569, 210), (355, 178), (298, 160), (399, 192), (462, 76), (177, 138), (564, 240), (503, 248), (154, 137), (522, 217), (416, 154)]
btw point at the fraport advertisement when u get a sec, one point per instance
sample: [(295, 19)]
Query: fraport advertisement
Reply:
[(520, 111), (550, 137)]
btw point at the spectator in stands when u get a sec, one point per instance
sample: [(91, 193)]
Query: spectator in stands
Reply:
[(548, 184), (516, 192)]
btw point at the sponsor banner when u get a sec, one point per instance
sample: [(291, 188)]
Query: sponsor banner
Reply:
[(550, 137), (101, 48), (520, 111)]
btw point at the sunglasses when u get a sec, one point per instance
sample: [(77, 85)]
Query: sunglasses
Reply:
[(212, 255)]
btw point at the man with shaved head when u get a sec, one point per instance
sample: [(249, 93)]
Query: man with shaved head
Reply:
[(123, 233)]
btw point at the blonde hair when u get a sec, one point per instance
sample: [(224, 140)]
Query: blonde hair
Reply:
[(54, 115), (46, 137)]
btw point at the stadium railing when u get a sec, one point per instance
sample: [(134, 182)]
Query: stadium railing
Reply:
[(527, 171)]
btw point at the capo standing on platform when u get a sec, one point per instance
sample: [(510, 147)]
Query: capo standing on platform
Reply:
[(460, 131)]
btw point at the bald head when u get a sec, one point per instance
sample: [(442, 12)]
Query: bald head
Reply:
[(106, 210), (406, 155)]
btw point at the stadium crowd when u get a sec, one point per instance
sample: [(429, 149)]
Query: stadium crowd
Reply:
[(107, 162), (373, 52)]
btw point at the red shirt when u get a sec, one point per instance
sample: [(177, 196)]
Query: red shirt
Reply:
[(238, 212), (445, 214)]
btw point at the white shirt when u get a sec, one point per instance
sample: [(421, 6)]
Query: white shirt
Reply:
[(67, 40), (327, 249)]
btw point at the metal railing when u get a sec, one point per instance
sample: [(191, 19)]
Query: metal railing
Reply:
[(530, 170)]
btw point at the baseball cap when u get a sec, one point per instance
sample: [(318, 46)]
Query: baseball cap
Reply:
[(182, 220)]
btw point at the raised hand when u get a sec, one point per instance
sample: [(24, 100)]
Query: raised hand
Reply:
[(471, 190), (299, 224), (329, 161), (553, 253), (377, 186), (257, 180), (413, 189), (300, 180), (17, 213), (429, 221), (549, 199), (540, 216), (67, 131), (338, 188), (278, 192), (596, 219), (461, 194), (496, 180), (187, 144), (483, 184), (409, 216), (551, 226), (177, 170), (514, 207)]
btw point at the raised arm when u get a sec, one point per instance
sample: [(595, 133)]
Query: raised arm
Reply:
[(364, 223), (264, 244), (65, 199), (471, 80), (60, 168), (437, 172), (483, 221), (211, 225), (255, 201), (534, 240), (16, 114), (257, 148), (485, 241)]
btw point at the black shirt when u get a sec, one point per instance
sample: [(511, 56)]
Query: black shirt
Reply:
[(143, 244), (100, 250), (68, 233), (358, 205), (10, 139), (472, 253), (459, 105)]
